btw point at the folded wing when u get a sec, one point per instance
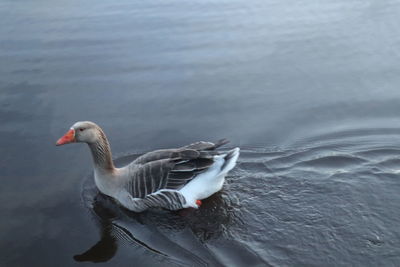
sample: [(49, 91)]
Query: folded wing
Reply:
[(170, 168)]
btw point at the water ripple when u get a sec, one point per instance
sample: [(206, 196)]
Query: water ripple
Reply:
[(333, 199)]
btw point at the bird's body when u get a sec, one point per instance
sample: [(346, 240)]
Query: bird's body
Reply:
[(169, 178)]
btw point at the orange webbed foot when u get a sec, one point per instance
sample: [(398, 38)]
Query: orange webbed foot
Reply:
[(198, 203)]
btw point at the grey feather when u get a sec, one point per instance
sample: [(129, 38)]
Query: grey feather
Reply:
[(171, 200), (156, 175)]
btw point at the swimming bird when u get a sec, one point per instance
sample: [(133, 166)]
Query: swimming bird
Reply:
[(168, 178)]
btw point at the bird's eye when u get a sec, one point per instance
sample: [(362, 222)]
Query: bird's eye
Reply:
[(81, 129)]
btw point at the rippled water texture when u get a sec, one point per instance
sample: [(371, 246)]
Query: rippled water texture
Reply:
[(308, 89), (334, 199)]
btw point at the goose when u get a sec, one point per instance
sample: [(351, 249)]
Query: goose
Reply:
[(173, 179)]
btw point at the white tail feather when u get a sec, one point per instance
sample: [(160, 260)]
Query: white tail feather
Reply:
[(211, 181), (230, 160)]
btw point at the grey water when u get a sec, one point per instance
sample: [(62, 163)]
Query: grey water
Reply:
[(310, 91)]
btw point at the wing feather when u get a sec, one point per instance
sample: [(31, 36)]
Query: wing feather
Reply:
[(170, 169)]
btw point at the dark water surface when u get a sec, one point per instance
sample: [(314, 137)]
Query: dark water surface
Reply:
[(310, 90)]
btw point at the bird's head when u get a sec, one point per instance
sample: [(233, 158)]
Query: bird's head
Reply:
[(82, 131)]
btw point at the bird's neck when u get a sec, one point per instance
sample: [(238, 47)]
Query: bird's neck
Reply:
[(101, 153)]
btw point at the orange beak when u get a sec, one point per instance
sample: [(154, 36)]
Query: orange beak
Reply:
[(69, 137)]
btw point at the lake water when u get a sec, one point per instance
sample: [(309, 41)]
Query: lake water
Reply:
[(310, 90)]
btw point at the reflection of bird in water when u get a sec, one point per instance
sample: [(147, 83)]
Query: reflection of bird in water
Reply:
[(169, 178), (187, 237), (122, 226)]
